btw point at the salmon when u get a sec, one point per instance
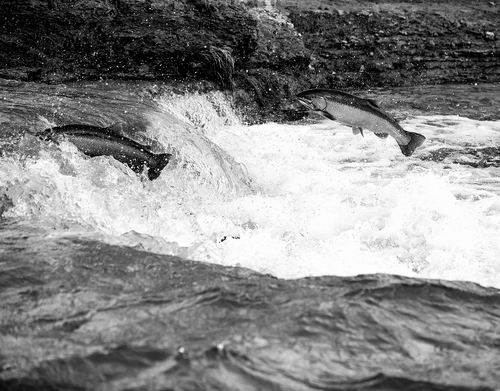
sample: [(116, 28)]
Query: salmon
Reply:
[(97, 141), (360, 113)]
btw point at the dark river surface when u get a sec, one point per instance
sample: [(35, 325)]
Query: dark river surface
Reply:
[(272, 256)]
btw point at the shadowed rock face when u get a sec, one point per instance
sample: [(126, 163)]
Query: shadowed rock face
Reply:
[(265, 51), (138, 39), (402, 46)]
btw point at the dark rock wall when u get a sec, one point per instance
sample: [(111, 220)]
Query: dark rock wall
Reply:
[(262, 50), (64, 39), (394, 48)]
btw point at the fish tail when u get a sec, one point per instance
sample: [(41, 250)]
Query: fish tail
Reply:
[(161, 161), (416, 140), (45, 135)]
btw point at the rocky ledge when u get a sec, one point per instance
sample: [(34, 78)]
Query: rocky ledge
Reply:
[(263, 51)]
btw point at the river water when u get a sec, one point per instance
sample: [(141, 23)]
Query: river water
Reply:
[(98, 285)]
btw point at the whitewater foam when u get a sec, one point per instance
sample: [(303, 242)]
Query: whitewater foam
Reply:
[(336, 204), (290, 200)]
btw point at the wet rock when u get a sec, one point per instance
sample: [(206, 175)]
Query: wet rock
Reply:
[(264, 51), (473, 157)]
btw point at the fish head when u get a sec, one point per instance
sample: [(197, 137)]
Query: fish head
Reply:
[(313, 100)]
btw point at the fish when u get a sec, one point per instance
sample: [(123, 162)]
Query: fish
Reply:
[(360, 113), (98, 141)]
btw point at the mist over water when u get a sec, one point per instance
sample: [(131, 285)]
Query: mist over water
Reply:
[(290, 200)]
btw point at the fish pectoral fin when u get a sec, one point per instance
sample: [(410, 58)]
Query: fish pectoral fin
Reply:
[(45, 135), (357, 130), (381, 135), (328, 115)]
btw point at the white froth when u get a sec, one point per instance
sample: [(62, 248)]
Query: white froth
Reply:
[(324, 202), (337, 204)]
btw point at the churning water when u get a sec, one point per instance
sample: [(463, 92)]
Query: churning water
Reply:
[(290, 200)]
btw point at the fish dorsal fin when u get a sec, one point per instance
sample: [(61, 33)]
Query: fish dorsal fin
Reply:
[(116, 129), (373, 103), (146, 147)]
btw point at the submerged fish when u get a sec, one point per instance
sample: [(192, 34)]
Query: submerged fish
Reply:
[(96, 141), (360, 114)]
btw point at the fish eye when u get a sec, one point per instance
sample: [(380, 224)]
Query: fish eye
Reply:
[(320, 103)]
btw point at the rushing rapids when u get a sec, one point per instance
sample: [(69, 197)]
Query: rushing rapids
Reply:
[(87, 247)]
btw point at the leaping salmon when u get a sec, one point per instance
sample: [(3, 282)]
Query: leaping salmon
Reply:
[(360, 114), (96, 141)]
